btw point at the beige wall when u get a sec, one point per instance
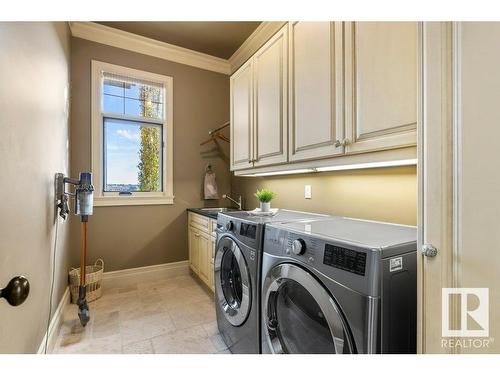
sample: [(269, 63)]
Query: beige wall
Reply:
[(135, 236), (34, 105), (385, 194)]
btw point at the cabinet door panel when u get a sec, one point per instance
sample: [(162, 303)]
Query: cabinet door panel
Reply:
[(204, 259), (211, 269), (270, 88), (315, 52), (193, 250), (381, 85), (241, 118)]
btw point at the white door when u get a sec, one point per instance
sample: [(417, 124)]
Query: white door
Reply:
[(459, 179), (270, 101), (315, 97), (380, 85), (241, 118)]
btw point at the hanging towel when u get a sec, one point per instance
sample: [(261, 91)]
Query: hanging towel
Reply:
[(210, 185)]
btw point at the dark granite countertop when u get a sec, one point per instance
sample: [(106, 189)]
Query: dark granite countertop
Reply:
[(210, 212)]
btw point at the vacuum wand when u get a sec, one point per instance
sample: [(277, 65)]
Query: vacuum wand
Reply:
[(84, 194), (83, 307)]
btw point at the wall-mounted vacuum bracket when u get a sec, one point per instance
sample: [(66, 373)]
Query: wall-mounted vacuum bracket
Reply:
[(83, 194)]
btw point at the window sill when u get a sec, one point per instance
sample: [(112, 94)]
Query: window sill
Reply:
[(131, 201)]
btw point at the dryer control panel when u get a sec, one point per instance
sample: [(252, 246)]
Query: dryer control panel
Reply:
[(345, 259), (347, 264)]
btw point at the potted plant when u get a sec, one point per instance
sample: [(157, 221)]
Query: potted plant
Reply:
[(265, 196)]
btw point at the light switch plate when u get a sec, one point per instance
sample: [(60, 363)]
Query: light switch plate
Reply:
[(307, 191)]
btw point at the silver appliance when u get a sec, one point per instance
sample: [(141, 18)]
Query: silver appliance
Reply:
[(339, 285), (237, 268)]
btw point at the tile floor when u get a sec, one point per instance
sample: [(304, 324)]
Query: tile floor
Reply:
[(174, 315)]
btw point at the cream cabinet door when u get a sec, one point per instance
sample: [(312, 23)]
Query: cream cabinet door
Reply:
[(211, 270), (315, 96), (241, 117), (205, 251), (270, 101), (380, 85), (194, 257)]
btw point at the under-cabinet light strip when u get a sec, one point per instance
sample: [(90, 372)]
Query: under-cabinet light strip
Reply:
[(378, 164), (278, 173)]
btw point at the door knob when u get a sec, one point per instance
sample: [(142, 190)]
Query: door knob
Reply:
[(16, 291), (429, 250)]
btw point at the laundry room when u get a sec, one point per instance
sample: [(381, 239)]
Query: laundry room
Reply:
[(226, 185)]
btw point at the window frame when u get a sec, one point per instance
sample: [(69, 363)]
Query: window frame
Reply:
[(102, 198)]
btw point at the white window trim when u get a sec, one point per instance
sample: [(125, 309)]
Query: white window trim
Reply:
[(140, 198)]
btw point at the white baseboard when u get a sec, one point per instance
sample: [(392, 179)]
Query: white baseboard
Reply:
[(55, 324), (121, 278)]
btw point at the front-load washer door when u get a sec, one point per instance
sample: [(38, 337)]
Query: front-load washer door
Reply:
[(300, 316), (232, 281)]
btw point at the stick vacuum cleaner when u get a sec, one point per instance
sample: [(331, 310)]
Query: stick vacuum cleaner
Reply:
[(84, 193)]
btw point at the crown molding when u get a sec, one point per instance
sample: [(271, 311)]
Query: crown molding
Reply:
[(147, 46), (256, 40)]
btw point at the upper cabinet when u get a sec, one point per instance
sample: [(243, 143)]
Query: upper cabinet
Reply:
[(259, 118), (271, 93), (315, 89), (380, 85), (242, 118), (326, 92)]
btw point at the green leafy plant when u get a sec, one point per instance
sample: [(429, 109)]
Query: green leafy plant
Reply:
[(265, 195), (149, 154)]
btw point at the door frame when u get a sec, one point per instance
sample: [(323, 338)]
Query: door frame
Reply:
[(438, 177)]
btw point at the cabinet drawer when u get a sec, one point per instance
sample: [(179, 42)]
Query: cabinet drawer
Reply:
[(198, 221)]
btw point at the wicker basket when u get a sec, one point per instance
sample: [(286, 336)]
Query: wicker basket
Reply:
[(93, 278)]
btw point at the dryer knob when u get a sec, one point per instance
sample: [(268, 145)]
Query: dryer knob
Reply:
[(229, 225), (298, 246)]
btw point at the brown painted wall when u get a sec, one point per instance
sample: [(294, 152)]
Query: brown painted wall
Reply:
[(34, 124), (385, 194), (135, 236)]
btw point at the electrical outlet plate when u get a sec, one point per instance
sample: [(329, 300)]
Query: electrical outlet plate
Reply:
[(307, 192)]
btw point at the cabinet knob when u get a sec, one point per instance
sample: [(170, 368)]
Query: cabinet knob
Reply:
[(343, 142)]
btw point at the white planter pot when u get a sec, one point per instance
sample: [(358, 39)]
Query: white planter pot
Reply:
[(265, 206)]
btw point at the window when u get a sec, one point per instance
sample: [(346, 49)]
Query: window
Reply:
[(131, 136)]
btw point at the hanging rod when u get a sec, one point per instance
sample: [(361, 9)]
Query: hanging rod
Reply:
[(226, 124)]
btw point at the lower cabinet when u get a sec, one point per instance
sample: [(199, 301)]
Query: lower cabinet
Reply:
[(194, 258), (201, 243), (212, 258), (204, 251)]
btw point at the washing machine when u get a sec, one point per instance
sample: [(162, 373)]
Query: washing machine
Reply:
[(339, 285), (237, 268)]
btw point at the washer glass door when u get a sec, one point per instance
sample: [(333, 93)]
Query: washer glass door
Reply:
[(300, 315), (232, 281)]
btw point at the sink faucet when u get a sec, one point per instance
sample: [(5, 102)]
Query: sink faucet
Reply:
[(238, 202)]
